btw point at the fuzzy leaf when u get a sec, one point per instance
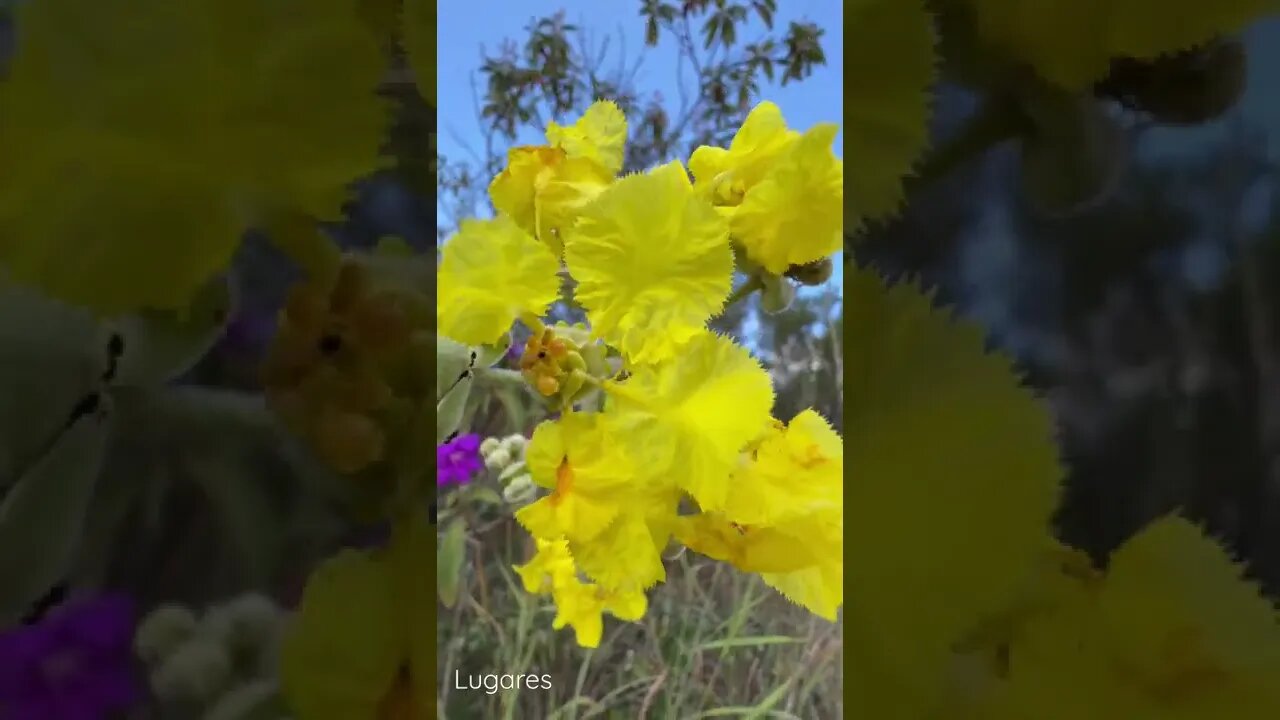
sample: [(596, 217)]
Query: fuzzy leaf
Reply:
[(450, 557), (42, 516)]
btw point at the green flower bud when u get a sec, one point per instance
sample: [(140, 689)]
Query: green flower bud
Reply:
[(195, 673), (488, 445), (777, 295), (497, 459), (513, 471), (250, 700), (163, 631), (515, 445), (520, 491)]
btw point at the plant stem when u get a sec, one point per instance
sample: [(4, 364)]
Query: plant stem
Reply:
[(744, 291)]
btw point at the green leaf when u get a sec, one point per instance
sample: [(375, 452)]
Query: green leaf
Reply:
[(452, 360), (449, 561), (52, 355), (451, 410), (490, 355), (161, 345), (43, 515)]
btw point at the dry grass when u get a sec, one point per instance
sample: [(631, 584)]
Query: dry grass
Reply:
[(715, 643)]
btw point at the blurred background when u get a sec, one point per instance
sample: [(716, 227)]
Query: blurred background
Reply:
[(715, 641), (1149, 315)]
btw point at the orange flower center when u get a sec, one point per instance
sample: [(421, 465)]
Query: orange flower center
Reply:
[(564, 482)]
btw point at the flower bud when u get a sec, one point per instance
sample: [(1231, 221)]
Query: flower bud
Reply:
[(515, 445), (489, 445), (244, 625), (520, 491), (777, 295), (513, 471), (498, 459), (162, 631), (243, 701), (195, 673)]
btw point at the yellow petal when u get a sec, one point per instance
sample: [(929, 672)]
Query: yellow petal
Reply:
[(579, 606), (224, 133), (544, 190), (492, 272), (1179, 612), (725, 175), (793, 471), (687, 419), (420, 45), (795, 215), (957, 476), (591, 474), (550, 566), (886, 104), (652, 262), (1071, 42), (600, 136), (818, 589), (117, 239), (343, 649), (623, 557), (514, 191)]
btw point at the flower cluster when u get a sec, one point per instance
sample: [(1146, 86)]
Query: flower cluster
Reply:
[(213, 660), (458, 460), (71, 664), (686, 413)]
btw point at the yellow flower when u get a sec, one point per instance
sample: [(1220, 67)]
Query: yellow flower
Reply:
[(627, 555), (653, 263), (600, 135), (687, 420), (795, 215), (128, 182), (550, 566), (578, 604), (491, 272), (792, 470), (1171, 631), (545, 187), (802, 558), (589, 472), (886, 104), (1185, 627), (783, 191), (1071, 42), (361, 645), (725, 175)]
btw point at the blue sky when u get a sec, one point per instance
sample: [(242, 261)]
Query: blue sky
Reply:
[(469, 29), (465, 27)]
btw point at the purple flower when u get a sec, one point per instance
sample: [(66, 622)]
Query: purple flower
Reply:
[(514, 353), (458, 459), (74, 664)]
